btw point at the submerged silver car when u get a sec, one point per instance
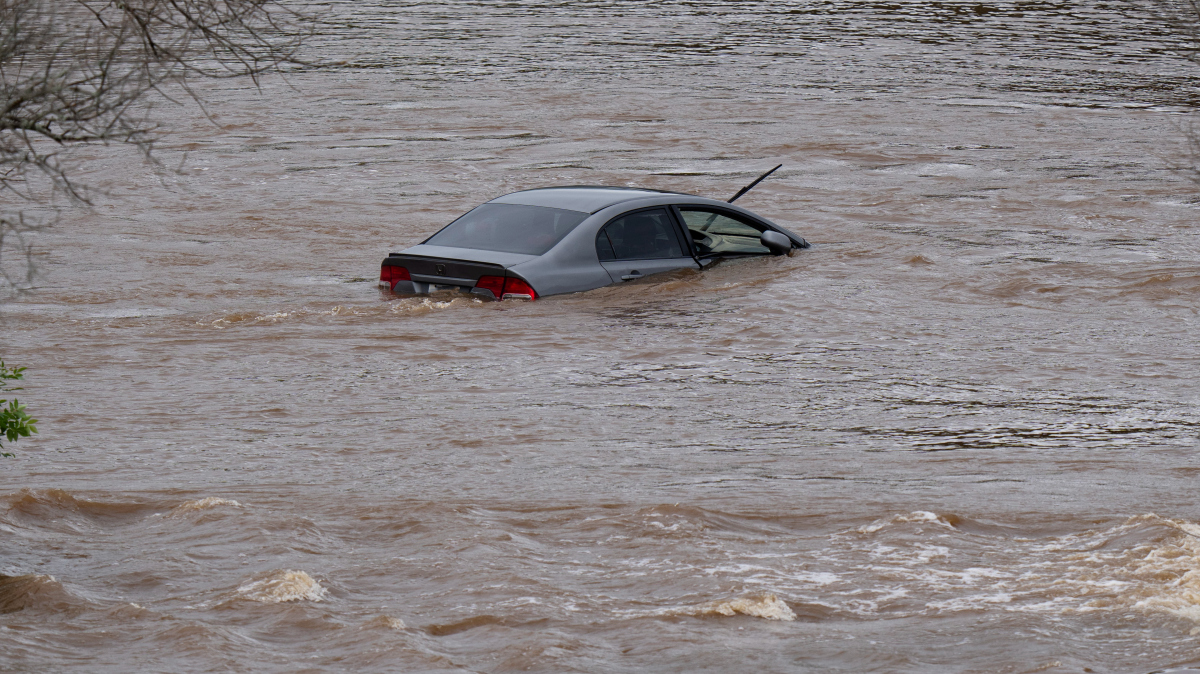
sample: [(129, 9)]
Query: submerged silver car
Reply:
[(568, 239)]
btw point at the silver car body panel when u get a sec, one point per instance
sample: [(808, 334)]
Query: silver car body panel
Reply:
[(573, 265), (632, 270)]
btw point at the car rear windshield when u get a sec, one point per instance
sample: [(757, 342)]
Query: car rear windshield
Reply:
[(510, 228)]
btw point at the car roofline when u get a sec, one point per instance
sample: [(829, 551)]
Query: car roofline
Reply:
[(647, 192), (599, 187)]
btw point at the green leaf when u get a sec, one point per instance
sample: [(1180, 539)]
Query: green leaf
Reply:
[(15, 422)]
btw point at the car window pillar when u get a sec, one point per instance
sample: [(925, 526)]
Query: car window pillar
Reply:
[(686, 234)]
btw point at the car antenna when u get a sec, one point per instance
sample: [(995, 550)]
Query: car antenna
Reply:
[(749, 187)]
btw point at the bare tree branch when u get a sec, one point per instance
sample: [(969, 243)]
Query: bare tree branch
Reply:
[(1183, 17), (89, 71)]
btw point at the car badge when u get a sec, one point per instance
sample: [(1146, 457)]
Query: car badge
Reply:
[(441, 270)]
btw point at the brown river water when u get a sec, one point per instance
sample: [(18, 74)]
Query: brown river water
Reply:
[(958, 434)]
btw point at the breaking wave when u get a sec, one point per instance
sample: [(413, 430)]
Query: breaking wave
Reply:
[(207, 503), (918, 516), (766, 606), (1146, 564), (60, 510), (928, 564), (1158, 571), (18, 593), (283, 585)]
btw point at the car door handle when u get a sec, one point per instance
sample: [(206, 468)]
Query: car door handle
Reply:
[(635, 274)]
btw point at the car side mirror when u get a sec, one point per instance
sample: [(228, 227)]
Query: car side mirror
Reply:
[(777, 243)]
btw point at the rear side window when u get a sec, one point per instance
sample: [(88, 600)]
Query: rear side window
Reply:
[(509, 228), (645, 235)]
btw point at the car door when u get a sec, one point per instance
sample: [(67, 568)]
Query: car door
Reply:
[(641, 243)]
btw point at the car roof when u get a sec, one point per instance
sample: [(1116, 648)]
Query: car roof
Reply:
[(582, 198)]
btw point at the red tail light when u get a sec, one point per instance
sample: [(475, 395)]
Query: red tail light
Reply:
[(515, 287), (493, 283), (392, 274), (504, 287)]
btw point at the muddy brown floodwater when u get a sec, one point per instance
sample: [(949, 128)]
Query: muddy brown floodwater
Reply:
[(958, 434)]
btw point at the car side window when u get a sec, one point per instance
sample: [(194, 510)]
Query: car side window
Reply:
[(714, 233), (644, 235)]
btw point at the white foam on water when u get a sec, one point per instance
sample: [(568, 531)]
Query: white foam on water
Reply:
[(133, 312), (1172, 575), (976, 574), (424, 305), (815, 577), (1145, 565), (410, 306), (283, 585), (766, 606), (971, 602), (246, 318), (207, 503), (749, 572)]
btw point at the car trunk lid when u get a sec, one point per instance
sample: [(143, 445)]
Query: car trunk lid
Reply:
[(442, 266)]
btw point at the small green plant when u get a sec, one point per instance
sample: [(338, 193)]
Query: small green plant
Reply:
[(15, 422)]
